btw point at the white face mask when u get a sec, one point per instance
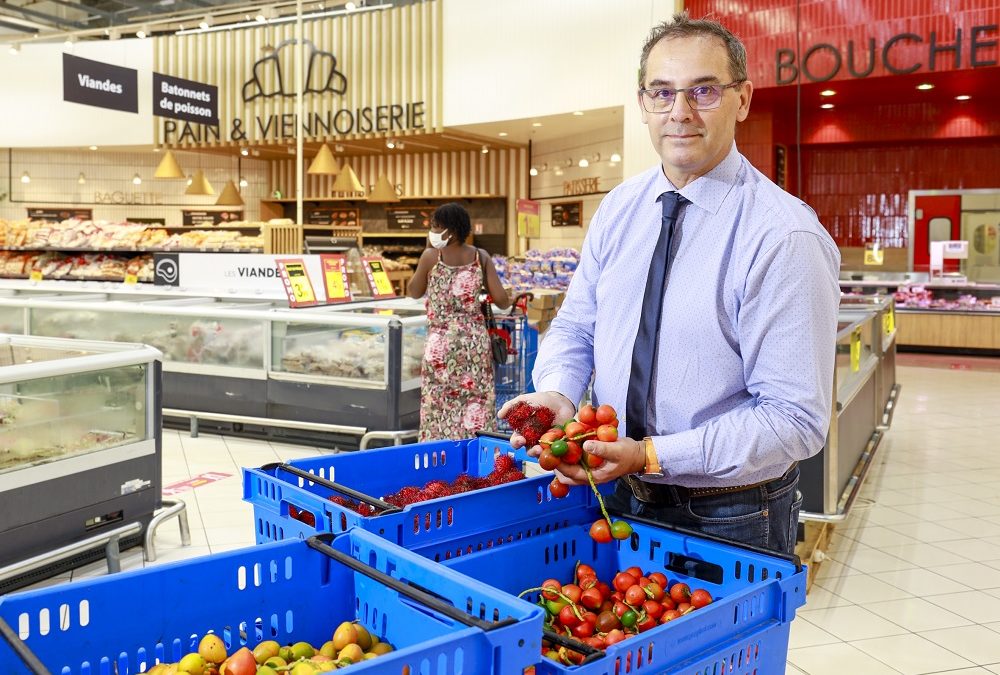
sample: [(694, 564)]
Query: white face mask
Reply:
[(438, 240)]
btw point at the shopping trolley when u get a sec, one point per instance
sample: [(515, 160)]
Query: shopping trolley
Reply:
[(514, 377)]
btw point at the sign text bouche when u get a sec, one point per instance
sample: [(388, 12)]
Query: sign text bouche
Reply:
[(343, 122)]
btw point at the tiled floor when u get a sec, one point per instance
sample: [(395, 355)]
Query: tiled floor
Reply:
[(912, 581)]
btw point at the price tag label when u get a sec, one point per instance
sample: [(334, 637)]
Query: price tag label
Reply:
[(378, 280), (295, 278), (338, 288), (131, 279), (856, 350), (35, 275), (874, 256), (889, 321), (387, 312)]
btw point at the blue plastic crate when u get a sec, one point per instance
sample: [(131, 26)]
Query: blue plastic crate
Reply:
[(285, 591), (745, 630), (288, 505)]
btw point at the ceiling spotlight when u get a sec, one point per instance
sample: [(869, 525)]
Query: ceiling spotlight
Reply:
[(400, 145), (536, 124), (925, 86), (260, 17), (389, 143), (338, 148), (136, 179), (115, 34), (82, 179), (93, 147), (583, 163), (558, 171), (142, 32), (533, 172), (826, 106), (25, 178), (578, 113), (962, 97), (70, 39), (14, 49), (485, 150), (827, 92), (615, 157), (545, 166), (244, 151), (206, 23), (190, 180), (243, 182), (502, 134), (156, 149), (350, 6), (569, 162)]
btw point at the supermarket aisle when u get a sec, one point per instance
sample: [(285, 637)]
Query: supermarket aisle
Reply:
[(913, 580)]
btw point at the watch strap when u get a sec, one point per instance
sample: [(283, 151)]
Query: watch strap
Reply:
[(652, 468)]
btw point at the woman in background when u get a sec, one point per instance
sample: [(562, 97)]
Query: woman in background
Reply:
[(457, 396)]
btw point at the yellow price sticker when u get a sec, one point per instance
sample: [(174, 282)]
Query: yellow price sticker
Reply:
[(874, 256), (335, 288), (856, 350), (379, 280), (35, 275), (889, 321), (131, 279)]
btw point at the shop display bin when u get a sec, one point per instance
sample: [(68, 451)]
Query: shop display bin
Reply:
[(439, 621), (79, 443), (292, 500), (745, 630)]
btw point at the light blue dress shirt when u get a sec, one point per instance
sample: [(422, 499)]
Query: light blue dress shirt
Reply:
[(745, 358)]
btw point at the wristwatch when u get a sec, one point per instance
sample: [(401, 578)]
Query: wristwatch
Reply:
[(652, 468)]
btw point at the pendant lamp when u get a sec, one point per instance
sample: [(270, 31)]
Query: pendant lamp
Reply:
[(347, 181), (324, 163), (169, 168), (230, 196), (383, 192), (199, 185)]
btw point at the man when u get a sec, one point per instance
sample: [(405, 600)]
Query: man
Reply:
[(705, 306)]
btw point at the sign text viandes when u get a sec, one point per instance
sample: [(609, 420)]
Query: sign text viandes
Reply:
[(343, 122)]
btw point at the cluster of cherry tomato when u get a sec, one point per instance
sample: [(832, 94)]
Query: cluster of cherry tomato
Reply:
[(601, 614), (564, 445)]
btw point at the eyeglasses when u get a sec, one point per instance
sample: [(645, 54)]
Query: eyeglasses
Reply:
[(700, 97)]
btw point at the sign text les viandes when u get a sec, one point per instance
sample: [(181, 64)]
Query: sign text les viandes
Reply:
[(100, 84)]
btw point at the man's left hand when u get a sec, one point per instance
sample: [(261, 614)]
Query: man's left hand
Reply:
[(621, 457)]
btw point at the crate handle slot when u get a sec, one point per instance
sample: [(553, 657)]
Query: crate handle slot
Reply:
[(693, 567), (589, 653), (320, 544), (385, 507), (22, 649), (493, 434), (789, 557)]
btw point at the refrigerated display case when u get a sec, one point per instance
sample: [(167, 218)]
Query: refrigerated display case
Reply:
[(831, 479), (887, 389), (355, 365), (79, 441)]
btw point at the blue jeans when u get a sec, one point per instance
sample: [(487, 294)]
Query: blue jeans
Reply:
[(765, 516)]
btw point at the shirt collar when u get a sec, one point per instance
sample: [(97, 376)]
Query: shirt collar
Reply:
[(704, 192)]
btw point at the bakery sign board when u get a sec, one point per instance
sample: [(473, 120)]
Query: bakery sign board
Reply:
[(229, 273)]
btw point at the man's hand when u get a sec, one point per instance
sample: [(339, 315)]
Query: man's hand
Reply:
[(621, 457), (553, 400)]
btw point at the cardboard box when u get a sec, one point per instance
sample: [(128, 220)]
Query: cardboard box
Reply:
[(536, 314), (546, 298)]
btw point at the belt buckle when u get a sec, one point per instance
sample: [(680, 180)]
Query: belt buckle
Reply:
[(639, 489)]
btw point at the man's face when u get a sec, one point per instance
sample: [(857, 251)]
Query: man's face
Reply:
[(692, 142)]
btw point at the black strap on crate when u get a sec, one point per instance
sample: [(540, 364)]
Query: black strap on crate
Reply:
[(493, 434), (321, 544), (385, 507), (589, 653), (787, 557), (21, 649)]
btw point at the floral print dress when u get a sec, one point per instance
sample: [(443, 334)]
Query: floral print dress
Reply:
[(457, 396)]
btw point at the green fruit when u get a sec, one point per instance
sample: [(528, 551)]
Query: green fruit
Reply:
[(266, 670), (285, 654), (302, 650), (193, 664), (381, 648), (629, 618), (303, 668), (276, 662), (266, 650), (327, 649), (351, 652), (559, 448), (621, 530)]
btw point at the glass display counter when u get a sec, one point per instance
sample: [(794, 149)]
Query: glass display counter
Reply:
[(830, 480), (354, 365), (79, 440)]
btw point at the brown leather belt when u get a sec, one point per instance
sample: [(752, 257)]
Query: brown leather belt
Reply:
[(660, 493)]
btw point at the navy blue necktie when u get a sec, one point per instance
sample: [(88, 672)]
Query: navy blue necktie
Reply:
[(644, 350)]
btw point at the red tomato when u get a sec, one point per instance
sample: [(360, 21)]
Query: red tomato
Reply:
[(659, 578), (670, 615), (652, 608), (654, 591), (623, 581), (680, 593), (549, 436), (547, 460), (573, 592), (583, 630), (587, 415), (551, 583), (573, 453), (700, 598), (574, 429), (596, 641), (607, 433), (606, 414), (560, 490), (635, 596), (568, 617), (644, 624), (591, 598), (685, 608), (593, 461), (604, 589), (585, 570), (614, 636), (600, 531), (241, 663), (636, 572), (668, 603)]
